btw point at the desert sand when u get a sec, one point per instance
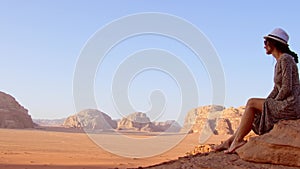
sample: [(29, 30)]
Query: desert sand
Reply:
[(54, 148)]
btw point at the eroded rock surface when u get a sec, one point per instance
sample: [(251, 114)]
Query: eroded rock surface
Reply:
[(91, 119), (217, 119), (280, 146), (139, 121), (12, 114)]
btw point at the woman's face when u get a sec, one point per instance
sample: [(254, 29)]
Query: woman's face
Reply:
[(268, 47)]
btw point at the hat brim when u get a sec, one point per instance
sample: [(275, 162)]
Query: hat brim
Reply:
[(275, 38)]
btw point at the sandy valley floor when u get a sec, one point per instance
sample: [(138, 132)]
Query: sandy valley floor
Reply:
[(54, 148)]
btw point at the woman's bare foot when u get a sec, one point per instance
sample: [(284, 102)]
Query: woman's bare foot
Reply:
[(235, 145), (223, 146)]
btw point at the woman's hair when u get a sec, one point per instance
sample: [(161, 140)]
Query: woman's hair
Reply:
[(283, 48)]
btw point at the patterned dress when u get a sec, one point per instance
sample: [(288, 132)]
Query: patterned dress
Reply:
[(283, 103)]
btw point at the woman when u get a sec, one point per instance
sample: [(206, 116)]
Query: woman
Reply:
[(282, 103)]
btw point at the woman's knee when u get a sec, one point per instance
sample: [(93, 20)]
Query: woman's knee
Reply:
[(255, 103), (251, 103)]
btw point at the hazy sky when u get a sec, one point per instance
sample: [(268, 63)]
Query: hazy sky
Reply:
[(41, 40)]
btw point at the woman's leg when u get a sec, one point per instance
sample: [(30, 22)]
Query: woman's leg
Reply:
[(253, 106), (224, 144)]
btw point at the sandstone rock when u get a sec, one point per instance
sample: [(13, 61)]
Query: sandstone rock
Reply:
[(197, 118), (167, 126), (217, 119), (280, 146), (203, 148), (49, 122), (140, 122), (214, 160), (230, 120), (12, 114), (90, 119), (223, 127), (72, 122), (135, 121)]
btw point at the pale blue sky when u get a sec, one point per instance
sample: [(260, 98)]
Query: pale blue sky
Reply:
[(40, 42)]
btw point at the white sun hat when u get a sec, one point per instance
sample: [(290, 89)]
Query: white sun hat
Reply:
[(279, 35)]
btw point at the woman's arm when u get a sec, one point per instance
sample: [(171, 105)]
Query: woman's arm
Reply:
[(286, 86), (273, 93)]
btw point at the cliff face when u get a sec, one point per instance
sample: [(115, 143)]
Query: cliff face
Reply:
[(12, 114), (136, 121), (219, 120), (90, 119), (140, 122)]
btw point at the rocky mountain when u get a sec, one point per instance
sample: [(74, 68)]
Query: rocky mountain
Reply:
[(96, 120), (135, 121), (90, 119), (217, 119), (140, 122), (278, 149), (12, 114), (48, 122), (167, 126)]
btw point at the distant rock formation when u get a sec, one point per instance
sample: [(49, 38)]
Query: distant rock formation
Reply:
[(90, 119), (216, 118), (73, 122), (47, 122), (136, 121), (280, 146), (167, 126), (197, 118), (140, 122), (232, 116), (12, 114)]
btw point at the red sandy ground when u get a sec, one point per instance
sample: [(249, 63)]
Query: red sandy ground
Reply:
[(56, 148)]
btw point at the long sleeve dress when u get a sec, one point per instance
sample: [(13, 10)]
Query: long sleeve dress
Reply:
[(283, 103)]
